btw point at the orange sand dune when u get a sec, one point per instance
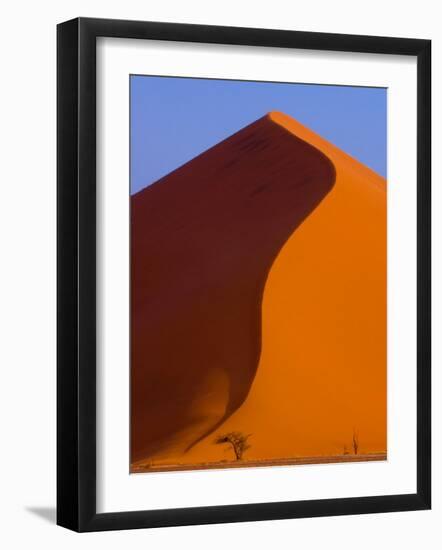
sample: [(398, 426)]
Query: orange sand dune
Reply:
[(203, 241), (322, 369)]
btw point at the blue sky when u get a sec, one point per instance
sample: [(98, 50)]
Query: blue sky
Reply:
[(175, 119)]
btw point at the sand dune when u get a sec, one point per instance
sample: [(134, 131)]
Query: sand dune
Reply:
[(322, 370), (203, 240)]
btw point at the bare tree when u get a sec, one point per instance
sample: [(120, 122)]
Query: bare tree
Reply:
[(355, 442), (237, 440)]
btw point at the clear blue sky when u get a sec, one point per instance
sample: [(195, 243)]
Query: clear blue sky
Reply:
[(175, 119)]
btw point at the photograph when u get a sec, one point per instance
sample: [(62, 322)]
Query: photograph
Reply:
[(218, 264), (258, 273), (243, 274)]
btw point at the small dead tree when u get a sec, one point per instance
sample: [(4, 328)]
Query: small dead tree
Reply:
[(355, 442), (237, 440)]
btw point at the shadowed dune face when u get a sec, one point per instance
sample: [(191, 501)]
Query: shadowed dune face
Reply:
[(203, 240)]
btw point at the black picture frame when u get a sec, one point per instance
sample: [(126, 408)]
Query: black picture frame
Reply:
[(76, 274)]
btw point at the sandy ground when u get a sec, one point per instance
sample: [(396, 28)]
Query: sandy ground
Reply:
[(152, 467)]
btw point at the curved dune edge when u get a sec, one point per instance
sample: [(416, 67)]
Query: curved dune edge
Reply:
[(322, 372), (214, 227)]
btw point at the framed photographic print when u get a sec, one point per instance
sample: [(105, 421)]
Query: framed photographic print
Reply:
[(243, 274)]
